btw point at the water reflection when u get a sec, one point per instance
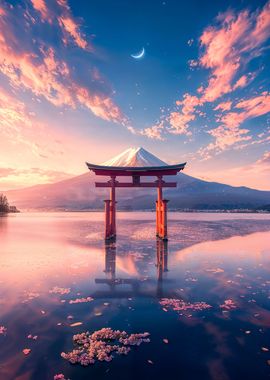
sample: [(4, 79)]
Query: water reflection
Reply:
[(135, 285), (205, 260)]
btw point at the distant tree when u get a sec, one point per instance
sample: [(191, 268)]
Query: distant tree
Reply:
[(4, 206)]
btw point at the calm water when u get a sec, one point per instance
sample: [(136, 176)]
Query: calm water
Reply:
[(209, 258)]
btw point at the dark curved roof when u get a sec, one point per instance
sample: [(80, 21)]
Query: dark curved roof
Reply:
[(141, 170)]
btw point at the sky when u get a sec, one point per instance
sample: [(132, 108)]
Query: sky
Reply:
[(70, 90)]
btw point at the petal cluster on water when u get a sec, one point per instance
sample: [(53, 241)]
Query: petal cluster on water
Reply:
[(81, 300), (58, 290), (59, 376), (26, 351), (3, 330), (228, 305), (30, 336), (30, 296), (101, 344), (180, 305)]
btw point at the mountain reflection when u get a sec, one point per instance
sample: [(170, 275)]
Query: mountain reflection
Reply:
[(128, 286)]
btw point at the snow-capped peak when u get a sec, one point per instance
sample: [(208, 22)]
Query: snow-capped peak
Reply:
[(135, 157)]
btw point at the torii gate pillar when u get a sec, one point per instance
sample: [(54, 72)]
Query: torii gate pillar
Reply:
[(161, 212), (110, 212)]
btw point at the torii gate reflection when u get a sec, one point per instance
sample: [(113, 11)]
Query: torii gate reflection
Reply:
[(136, 173), (110, 270)]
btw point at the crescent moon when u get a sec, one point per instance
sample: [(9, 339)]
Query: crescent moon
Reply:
[(138, 55)]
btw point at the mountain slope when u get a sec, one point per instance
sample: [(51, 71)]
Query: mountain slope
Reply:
[(79, 193)]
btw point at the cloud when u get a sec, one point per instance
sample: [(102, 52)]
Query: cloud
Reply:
[(224, 106), (229, 132), (179, 123), (179, 120), (68, 24), (265, 159), (13, 177), (36, 68), (255, 106), (154, 132), (226, 47), (59, 12), (5, 172), (229, 45), (41, 7)]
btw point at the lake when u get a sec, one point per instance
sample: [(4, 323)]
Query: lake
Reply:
[(204, 296)]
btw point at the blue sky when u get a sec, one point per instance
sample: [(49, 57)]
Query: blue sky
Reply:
[(70, 90)]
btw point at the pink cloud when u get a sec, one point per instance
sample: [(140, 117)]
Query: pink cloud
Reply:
[(260, 33), (224, 47), (242, 82), (229, 132), (189, 103), (179, 123), (40, 6), (224, 52), (265, 159), (256, 106), (224, 106), (154, 132), (62, 15), (47, 76), (226, 137), (101, 106), (71, 27)]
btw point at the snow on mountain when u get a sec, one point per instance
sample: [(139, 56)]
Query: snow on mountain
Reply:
[(135, 157)]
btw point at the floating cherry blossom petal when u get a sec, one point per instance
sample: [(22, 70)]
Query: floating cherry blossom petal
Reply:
[(34, 337), (59, 376), (58, 290), (101, 344), (180, 305), (3, 330), (228, 305), (81, 300), (30, 296), (76, 324), (26, 351)]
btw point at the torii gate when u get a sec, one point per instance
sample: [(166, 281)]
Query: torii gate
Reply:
[(136, 173)]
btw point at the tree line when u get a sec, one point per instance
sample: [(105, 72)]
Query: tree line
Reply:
[(4, 205)]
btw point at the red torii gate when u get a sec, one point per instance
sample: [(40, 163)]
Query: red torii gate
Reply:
[(136, 173)]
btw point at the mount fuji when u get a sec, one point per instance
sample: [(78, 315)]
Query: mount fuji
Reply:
[(79, 193), (135, 157)]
